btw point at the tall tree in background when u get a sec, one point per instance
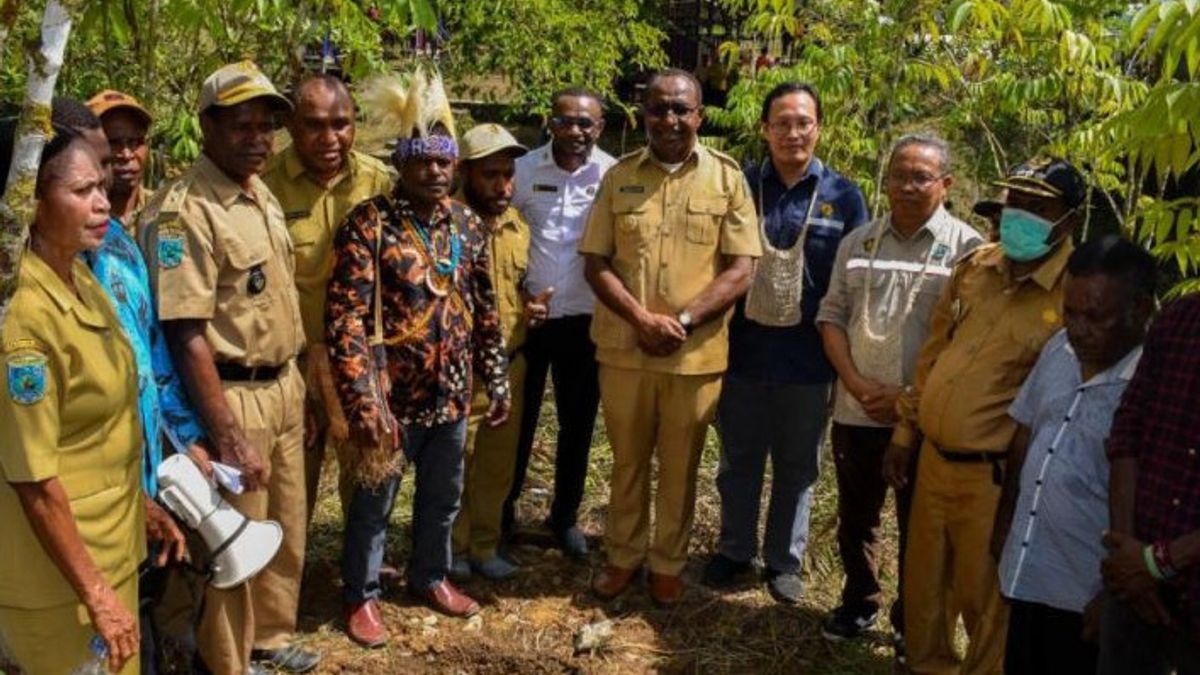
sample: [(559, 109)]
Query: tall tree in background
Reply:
[(45, 58)]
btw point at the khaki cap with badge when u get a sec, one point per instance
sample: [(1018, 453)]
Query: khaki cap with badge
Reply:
[(237, 83), (110, 100), (488, 139), (1053, 178)]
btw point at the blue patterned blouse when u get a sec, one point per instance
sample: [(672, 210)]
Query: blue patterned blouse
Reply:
[(164, 407)]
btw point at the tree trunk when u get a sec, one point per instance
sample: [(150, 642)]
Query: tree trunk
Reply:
[(33, 130)]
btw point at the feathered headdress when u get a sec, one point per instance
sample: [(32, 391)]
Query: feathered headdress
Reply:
[(418, 113)]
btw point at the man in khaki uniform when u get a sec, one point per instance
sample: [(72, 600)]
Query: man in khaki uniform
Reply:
[(488, 165), (222, 265), (317, 180), (670, 244), (1001, 305)]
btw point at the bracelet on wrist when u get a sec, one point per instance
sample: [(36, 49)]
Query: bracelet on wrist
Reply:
[(1162, 558), (1151, 563)]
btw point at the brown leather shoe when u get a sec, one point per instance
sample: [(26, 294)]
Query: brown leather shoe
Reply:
[(666, 589), (364, 624), (447, 599), (612, 581)]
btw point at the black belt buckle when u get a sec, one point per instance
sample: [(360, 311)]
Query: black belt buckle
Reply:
[(235, 372)]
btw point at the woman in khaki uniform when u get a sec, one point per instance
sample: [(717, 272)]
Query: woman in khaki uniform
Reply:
[(70, 457)]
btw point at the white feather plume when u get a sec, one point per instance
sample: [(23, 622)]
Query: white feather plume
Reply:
[(411, 109)]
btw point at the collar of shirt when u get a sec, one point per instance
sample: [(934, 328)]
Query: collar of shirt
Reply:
[(935, 226), (1047, 273), (1120, 372), (223, 187), (293, 167), (813, 172), (545, 159), (693, 156), (404, 208), (64, 297)]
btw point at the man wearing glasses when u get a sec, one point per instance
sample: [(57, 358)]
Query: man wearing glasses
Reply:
[(873, 320), (554, 188), (775, 399), (669, 245)]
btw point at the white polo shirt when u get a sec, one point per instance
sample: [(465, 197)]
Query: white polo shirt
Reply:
[(556, 203)]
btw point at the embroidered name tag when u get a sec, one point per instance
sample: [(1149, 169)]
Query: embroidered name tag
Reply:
[(293, 215), (539, 187), (632, 189)]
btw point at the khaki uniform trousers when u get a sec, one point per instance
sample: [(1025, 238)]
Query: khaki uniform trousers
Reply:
[(663, 416), (491, 462), (317, 443), (262, 612), (949, 571), (56, 640)]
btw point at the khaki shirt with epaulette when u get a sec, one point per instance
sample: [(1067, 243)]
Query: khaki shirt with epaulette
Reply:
[(985, 336), (508, 243), (69, 411), (221, 253), (313, 212), (665, 234)]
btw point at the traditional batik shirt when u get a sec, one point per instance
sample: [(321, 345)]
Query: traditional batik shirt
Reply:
[(440, 328), (162, 402)]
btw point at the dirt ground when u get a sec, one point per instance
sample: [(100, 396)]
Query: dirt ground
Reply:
[(530, 624)]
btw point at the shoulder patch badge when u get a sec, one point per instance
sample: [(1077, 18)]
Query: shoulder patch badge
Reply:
[(826, 210), (939, 251), (869, 244), (170, 247), (27, 377)]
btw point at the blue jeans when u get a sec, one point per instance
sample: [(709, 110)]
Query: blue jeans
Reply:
[(436, 456), (786, 421)]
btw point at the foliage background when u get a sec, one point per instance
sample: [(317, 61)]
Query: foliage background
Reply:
[(1111, 85)]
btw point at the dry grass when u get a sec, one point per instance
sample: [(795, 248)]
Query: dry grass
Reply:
[(528, 624)]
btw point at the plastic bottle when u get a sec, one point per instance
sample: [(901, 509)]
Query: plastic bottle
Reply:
[(98, 663)]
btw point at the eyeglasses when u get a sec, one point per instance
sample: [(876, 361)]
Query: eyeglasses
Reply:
[(565, 122), (921, 181), (782, 127), (664, 109)]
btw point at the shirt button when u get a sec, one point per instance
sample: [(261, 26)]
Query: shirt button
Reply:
[(1192, 452), (1175, 502)]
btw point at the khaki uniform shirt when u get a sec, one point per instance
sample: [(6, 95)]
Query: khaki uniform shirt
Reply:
[(220, 253), (145, 194), (985, 336), (314, 212), (509, 244), (68, 411), (904, 278), (665, 234)]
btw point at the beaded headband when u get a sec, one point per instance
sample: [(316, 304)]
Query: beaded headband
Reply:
[(429, 146)]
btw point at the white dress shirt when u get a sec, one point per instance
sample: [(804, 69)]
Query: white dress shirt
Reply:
[(556, 203)]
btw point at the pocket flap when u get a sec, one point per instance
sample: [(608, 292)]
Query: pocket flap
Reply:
[(241, 256), (709, 205)]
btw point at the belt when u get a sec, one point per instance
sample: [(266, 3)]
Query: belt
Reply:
[(235, 372), (976, 457)]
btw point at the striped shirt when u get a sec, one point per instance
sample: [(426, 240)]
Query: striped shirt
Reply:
[(906, 276), (1053, 553)]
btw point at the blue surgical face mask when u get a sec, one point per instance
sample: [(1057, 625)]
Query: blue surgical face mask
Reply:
[(1023, 235)]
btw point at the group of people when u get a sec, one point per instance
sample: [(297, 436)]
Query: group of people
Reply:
[(1037, 423)]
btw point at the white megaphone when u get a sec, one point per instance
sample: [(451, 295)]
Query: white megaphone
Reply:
[(238, 547)]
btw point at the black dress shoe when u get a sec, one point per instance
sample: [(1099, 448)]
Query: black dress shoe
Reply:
[(572, 542), (723, 572), (289, 659)]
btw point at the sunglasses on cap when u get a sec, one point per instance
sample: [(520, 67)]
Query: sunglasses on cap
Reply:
[(564, 122)]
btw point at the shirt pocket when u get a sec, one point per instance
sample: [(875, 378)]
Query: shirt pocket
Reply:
[(703, 217), (632, 223), (305, 235)]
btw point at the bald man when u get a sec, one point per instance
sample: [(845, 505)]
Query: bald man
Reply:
[(317, 180)]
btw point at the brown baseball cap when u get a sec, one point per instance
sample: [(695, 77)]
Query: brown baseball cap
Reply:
[(110, 100), (237, 83)]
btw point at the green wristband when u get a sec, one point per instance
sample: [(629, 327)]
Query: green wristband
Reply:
[(1151, 565)]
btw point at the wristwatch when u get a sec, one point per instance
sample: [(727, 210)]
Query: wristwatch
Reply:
[(685, 320)]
